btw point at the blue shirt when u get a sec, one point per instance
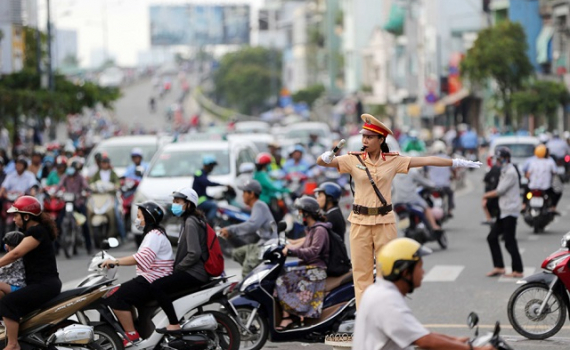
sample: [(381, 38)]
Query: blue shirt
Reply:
[(302, 167), (201, 182), (19, 183), (469, 139), (131, 170)]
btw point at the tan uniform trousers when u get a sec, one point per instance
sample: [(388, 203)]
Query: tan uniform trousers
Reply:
[(365, 243)]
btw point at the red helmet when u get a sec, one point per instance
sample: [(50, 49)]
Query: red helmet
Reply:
[(26, 205), (61, 160), (263, 159)]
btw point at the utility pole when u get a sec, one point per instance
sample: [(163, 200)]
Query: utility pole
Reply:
[(51, 82)]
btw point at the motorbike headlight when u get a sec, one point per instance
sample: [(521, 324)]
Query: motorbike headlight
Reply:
[(552, 265), (255, 278)]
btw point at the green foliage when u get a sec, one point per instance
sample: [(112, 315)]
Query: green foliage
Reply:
[(541, 99), (244, 78), (31, 47), (309, 95), (499, 53)]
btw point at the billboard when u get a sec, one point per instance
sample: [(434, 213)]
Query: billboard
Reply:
[(198, 25)]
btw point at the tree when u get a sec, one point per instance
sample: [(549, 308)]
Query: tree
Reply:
[(247, 78), (542, 100), (309, 95), (499, 53)]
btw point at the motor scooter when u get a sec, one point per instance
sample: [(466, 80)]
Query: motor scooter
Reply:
[(260, 313), (70, 236), (493, 338), (538, 308), (128, 189), (101, 212), (203, 328), (53, 203), (413, 222), (537, 212)]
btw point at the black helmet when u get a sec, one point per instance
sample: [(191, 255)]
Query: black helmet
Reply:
[(154, 210), (13, 238), (307, 204), (503, 152), (330, 189)]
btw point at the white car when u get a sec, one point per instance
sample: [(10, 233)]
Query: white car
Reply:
[(118, 149), (174, 167), (522, 148), (249, 127), (301, 132), (261, 141)]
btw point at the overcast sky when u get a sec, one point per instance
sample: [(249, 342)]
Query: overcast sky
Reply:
[(127, 24)]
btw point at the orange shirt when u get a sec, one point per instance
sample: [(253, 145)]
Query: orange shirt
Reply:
[(383, 171)]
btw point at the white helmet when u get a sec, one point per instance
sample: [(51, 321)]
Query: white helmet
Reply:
[(186, 193), (438, 146)]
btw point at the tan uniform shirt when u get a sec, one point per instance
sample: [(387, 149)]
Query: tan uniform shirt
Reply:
[(382, 172)]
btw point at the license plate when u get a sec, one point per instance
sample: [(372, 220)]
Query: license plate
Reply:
[(68, 207), (404, 223), (537, 202), (438, 202)]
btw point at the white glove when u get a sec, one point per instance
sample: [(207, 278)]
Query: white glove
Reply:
[(327, 157), (463, 163)]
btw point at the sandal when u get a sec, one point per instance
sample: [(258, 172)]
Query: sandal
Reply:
[(515, 275), (495, 273), (282, 327)]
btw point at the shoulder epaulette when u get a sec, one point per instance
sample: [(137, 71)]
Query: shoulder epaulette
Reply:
[(391, 154), (355, 153)]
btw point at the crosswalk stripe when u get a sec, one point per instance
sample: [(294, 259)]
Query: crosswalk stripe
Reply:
[(527, 271), (443, 273)]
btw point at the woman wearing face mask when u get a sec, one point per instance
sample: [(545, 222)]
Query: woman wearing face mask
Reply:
[(153, 259), (301, 289), (189, 268)]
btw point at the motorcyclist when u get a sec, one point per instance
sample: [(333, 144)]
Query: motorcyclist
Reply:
[(137, 158), (55, 175), (315, 146), (35, 166), (73, 182), (269, 189), (540, 173), (258, 229), (405, 191), (557, 146), (296, 162), (277, 160), (21, 180), (413, 143), (107, 175), (201, 183), (442, 176), (328, 194), (384, 320), (469, 141)]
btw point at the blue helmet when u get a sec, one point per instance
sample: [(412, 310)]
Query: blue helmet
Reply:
[(330, 189), (209, 160)]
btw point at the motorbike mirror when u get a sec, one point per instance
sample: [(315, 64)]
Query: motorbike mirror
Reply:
[(472, 320), (110, 243), (497, 329), (281, 226)]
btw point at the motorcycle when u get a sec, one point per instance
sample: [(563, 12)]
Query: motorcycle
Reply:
[(53, 203), (101, 212), (70, 234), (537, 309), (49, 327), (563, 167), (259, 312), (494, 338), (414, 224), (437, 201), (128, 189), (202, 327), (536, 213)]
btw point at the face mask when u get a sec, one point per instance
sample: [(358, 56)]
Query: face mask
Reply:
[(138, 224), (70, 171), (301, 218), (177, 209)]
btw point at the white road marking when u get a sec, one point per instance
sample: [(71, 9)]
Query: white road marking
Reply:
[(526, 272), (443, 273)]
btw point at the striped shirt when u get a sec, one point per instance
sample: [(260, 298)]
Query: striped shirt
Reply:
[(154, 257)]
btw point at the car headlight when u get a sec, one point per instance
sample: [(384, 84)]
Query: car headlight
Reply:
[(255, 278)]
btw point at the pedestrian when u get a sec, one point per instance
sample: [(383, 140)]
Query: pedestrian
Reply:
[(508, 191), (373, 222)]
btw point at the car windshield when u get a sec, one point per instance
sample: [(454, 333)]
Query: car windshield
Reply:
[(185, 163), (520, 150), (303, 134), (120, 155)]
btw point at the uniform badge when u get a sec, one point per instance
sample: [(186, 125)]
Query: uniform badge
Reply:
[(361, 167)]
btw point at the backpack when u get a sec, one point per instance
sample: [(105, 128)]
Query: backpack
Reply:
[(338, 263), (212, 257)]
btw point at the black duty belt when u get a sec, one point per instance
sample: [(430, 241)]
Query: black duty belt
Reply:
[(359, 209)]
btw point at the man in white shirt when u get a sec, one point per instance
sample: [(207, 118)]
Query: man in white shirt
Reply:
[(20, 181), (541, 171), (384, 321)]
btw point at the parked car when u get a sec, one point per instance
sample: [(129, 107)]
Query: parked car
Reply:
[(249, 127), (118, 149), (260, 140), (174, 166)]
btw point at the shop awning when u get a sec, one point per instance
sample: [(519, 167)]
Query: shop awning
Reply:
[(543, 44), (396, 18), (455, 97)]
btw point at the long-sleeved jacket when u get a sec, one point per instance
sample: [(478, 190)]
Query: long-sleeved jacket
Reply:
[(268, 189), (191, 249), (315, 249), (261, 222), (508, 191), (201, 182)]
